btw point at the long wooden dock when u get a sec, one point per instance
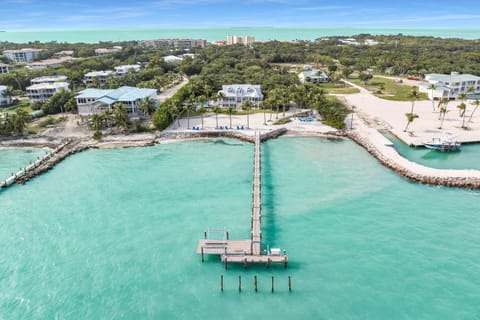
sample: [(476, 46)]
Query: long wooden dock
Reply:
[(250, 250)]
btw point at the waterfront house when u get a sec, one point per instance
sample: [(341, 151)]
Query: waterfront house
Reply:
[(313, 76), (122, 70), (90, 101), (22, 55), (449, 86), (4, 68), (44, 91), (236, 94), (4, 101), (97, 77)]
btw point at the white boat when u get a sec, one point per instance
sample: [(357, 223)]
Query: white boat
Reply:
[(443, 144)]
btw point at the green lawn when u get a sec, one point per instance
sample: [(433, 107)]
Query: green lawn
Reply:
[(338, 88), (388, 89)]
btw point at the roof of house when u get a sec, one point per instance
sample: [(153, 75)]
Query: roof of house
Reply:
[(3, 88), (55, 85), (314, 73), (98, 73), (121, 94), (48, 79), (234, 90), (454, 77)]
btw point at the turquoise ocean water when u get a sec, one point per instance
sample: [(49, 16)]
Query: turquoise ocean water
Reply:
[(467, 158), (220, 33), (11, 160), (111, 234)]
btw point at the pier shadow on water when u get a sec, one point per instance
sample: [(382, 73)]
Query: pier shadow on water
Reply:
[(269, 231)]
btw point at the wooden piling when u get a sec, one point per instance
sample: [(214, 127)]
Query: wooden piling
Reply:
[(221, 282), (255, 283), (289, 284), (203, 259), (272, 284), (239, 283)]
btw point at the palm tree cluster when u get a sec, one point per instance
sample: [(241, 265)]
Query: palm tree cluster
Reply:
[(14, 122)]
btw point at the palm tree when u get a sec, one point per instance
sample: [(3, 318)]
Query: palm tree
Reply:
[(432, 87), (19, 120), (147, 106), (8, 93), (443, 112), (107, 117), (220, 96), (414, 96), (476, 103), (462, 97), (97, 121), (410, 118), (247, 105), (202, 100), (120, 115), (443, 102), (230, 111), (188, 105), (462, 108)]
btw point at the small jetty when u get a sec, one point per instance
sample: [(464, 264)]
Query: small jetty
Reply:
[(247, 251)]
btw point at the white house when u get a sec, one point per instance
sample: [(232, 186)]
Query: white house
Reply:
[(313, 76), (449, 86), (4, 68), (22, 55), (236, 94), (172, 59), (49, 63), (90, 101), (103, 51), (101, 76), (3, 99), (122, 70), (44, 91)]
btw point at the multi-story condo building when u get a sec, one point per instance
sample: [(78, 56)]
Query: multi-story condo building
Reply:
[(174, 44), (234, 95), (122, 70), (449, 86), (22, 55), (97, 77), (4, 68), (245, 40), (3, 99), (44, 91), (90, 101)]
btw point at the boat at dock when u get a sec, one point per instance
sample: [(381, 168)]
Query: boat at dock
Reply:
[(443, 144)]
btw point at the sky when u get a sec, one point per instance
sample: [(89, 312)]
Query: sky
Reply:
[(87, 14)]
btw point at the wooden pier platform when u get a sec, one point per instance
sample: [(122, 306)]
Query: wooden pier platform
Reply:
[(245, 251)]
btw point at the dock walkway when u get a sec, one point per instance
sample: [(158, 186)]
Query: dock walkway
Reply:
[(250, 250)]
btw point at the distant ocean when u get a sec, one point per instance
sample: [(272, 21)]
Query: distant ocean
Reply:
[(220, 33)]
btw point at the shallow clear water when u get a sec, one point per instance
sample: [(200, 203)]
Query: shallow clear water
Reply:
[(112, 234), (11, 160), (467, 158)]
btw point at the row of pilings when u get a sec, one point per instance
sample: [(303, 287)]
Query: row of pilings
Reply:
[(451, 181)]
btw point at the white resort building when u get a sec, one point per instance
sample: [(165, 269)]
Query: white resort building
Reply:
[(90, 101), (122, 70), (100, 76), (44, 91), (3, 99), (236, 94), (245, 40), (4, 68), (22, 55), (449, 86), (313, 76)]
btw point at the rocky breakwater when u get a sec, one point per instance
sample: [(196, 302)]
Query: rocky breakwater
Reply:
[(45, 163), (387, 155)]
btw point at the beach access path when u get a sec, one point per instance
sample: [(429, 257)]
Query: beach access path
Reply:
[(390, 115)]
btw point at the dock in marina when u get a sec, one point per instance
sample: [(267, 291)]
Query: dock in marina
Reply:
[(247, 251)]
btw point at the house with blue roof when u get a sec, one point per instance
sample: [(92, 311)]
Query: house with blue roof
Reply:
[(313, 76), (90, 101)]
